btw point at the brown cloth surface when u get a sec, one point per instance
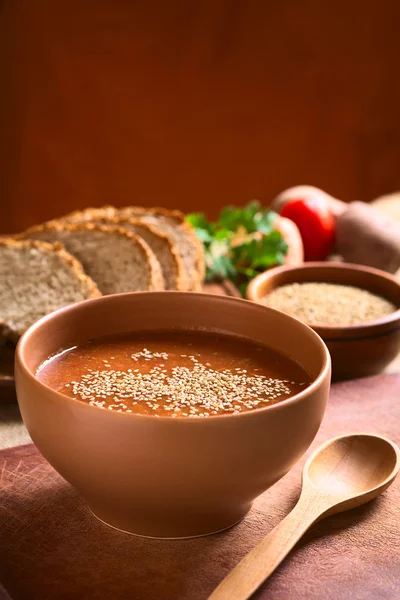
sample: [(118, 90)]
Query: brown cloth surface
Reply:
[(52, 548)]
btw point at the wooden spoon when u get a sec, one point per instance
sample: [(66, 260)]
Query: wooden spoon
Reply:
[(343, 473)]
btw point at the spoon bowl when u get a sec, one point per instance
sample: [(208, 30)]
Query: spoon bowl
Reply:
[(343, 473), (352, 470)]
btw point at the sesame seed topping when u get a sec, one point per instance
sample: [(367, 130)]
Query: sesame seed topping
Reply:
[(195, 390)]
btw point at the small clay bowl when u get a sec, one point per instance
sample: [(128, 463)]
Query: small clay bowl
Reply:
[(357, 350), (165, 477)]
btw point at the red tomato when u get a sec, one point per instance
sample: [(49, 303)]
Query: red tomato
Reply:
[(315, 223)]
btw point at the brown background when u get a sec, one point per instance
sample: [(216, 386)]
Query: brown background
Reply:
[(194, 104)]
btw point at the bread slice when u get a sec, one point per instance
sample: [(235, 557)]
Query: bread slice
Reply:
[(167, 222), (172, 222), (116, 259), (37, 278), (163, 246)]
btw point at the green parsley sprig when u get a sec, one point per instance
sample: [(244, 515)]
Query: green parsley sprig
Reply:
[(240, 244)]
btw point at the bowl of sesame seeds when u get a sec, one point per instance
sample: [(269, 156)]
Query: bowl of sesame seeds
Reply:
[(170, 412), (355, 309)]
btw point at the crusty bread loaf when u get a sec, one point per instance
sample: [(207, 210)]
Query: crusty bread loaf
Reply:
[(163, 246), (37, 278), (116, 259), (172, 222)]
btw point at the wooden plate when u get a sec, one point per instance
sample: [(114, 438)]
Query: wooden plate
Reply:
[(7, 385)]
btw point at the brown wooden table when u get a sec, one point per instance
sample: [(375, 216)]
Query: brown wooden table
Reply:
[(51, 547)]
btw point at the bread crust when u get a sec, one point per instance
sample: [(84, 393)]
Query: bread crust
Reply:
[(91, 213)]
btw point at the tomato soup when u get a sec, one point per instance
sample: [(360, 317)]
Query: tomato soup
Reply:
[(174, 374)]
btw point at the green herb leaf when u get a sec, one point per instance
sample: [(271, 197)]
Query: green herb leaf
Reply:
[(198, 220), (240, 244)]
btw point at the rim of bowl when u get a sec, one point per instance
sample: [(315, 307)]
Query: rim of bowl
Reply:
[(328, 330), (317, 381)]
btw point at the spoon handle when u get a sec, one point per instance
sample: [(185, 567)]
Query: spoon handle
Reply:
[(260, 562)]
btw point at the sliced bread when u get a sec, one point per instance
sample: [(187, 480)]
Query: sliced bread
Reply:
[(172, 222), (116, 259), (163, 246), (37, 278), (168, 222)]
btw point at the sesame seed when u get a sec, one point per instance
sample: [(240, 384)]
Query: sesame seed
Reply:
[(196, 390)]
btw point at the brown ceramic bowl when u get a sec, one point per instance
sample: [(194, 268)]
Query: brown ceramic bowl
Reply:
[(164, 477), (357, 350)]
